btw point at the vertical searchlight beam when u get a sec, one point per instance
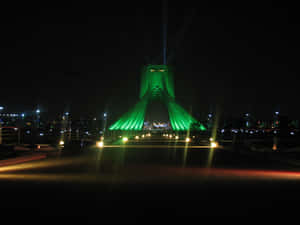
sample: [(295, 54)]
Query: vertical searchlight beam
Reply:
[(164, 23)]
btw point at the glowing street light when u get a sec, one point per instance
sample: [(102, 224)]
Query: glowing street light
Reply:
[(125, 139), (187, 139), (61, 143), (214, 144), (137, 137), (38, 111), (100, 144)]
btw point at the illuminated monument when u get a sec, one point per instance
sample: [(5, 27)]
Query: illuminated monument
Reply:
[(157, 84)]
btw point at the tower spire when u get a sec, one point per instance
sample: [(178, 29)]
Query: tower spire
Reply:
[(164, 24)]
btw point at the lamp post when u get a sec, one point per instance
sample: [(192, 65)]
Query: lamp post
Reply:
[(20, 125), (105, 120), (1, 108), (68, 126), (38, 118), (36, 128), (276, 119)]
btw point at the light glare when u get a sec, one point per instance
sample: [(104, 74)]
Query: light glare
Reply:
[(214, 144), (100, 144)]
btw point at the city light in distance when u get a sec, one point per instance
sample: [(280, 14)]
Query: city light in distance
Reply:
[(61, 143), (125, 139), (187, 139), (38, 111), (137, 137)]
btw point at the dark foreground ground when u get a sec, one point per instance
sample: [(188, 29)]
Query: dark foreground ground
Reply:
[(145, 185)]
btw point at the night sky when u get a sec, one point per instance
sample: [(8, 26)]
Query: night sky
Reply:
[(87, 58)]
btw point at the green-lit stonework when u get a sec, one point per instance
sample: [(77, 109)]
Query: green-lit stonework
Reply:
[(156, 84)]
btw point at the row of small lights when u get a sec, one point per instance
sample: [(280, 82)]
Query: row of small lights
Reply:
[(251, 131), (12, 114), (100, 143), (176, 137)]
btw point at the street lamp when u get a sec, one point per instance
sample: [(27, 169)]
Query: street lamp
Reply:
[(100, 144), (105, 120), (1, 108), (214, 144), (38, 117), (125, 139)]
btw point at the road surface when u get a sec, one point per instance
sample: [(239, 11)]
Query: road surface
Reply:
[(134, 185)]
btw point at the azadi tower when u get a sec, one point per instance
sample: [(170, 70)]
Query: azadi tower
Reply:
[(156, 85)]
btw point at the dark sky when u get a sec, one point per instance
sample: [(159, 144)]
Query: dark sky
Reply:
[(84, 57)]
